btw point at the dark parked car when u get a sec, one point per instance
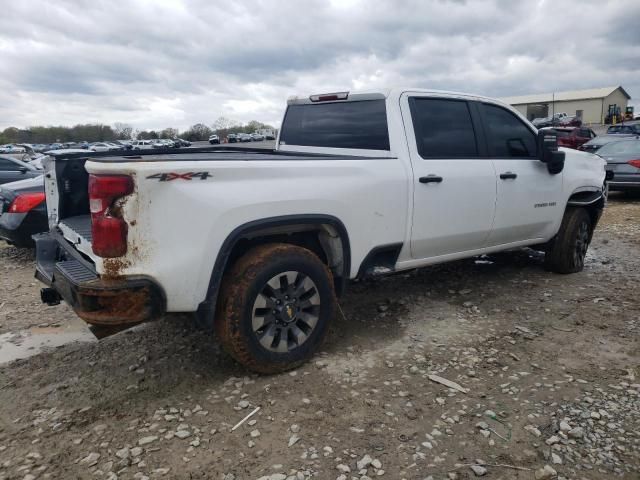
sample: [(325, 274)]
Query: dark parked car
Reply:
[(23, 211), (12, 169), (624, 129), (232, 138), (623, 159), (573, 137)]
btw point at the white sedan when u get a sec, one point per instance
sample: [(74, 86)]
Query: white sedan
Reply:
[(142, 145), (101, 147)]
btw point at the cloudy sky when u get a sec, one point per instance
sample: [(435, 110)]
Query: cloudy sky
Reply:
[(171, 63)]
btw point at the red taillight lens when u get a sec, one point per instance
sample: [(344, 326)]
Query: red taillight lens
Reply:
[(634, 163), (25, 202), (328, 97), (104, 189), (108, 228)]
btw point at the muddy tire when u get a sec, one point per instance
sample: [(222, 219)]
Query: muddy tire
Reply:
[(567, 251), (274, 307)]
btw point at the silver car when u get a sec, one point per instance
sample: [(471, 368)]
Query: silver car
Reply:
[(623, 159), (595, 144)]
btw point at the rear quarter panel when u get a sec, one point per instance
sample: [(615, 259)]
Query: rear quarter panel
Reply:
[(177, 227)]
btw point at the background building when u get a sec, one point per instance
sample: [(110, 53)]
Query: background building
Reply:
[(591, 105)]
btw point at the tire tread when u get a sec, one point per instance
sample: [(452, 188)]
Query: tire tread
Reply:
[(559, 256), (233, 300)]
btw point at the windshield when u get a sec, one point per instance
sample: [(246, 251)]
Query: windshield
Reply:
[(631, 147)]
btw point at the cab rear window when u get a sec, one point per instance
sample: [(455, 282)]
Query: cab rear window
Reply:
[(358, 125)]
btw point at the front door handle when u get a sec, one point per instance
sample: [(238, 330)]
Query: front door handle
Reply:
[(508, 176), (430, 179)]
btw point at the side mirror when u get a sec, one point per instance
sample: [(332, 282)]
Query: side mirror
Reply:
[(23, 170), (548, 151)]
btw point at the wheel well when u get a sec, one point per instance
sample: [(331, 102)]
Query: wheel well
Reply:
[(321, 239), (592, 201), (324, 235)]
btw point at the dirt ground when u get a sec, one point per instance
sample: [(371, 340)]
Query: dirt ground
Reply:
[(549, 365)]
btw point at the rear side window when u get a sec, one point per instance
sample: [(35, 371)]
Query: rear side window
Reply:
[(8, 165), (443, 128), (631, 147), (360, 125), (507, 135)]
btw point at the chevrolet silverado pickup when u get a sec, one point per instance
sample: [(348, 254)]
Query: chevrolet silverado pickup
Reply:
[(258, 244)]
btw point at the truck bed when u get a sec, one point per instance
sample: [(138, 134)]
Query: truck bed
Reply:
[(71, 178), (202, 154), (77, 230)]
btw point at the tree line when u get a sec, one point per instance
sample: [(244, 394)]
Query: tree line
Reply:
[(122, 131)]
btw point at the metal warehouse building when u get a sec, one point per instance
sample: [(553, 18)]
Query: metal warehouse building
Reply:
[(591, 105)]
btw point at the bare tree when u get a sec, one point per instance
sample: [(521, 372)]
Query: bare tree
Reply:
[(123, 131), (169, 133), (224, 123)]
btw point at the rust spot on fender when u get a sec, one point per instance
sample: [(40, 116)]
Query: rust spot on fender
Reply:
[(113, 268)]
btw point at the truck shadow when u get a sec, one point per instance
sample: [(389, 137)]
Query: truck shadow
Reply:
[(374, 311)]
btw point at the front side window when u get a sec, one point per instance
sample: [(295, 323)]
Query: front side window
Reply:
[(356, 124), (443, 128), (507, 135)]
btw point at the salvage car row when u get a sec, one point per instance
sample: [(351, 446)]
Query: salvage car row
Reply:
[(106, 146), (242, 137)]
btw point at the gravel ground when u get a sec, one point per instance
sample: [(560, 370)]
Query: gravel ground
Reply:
[(546, 370)]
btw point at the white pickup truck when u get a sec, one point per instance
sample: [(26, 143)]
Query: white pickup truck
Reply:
[(258, 244)]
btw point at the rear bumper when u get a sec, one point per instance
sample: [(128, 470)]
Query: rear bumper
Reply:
[(17, 228), (115, 302), (623, 181)]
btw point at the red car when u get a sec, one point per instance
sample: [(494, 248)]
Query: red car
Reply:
[(573, 137)]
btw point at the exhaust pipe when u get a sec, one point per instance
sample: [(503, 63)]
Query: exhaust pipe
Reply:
[(50, 296)]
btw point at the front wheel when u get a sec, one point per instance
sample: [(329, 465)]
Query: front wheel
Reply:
[(567, 251), (274, 307)]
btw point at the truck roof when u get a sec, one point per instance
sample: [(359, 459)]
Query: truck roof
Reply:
[(214, 153), (359, 95)]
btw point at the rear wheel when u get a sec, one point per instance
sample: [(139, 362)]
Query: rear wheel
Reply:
[(567, 252), (274, 307)]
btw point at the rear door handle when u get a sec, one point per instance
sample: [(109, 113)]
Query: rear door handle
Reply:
[(430, 179), (508, 176)]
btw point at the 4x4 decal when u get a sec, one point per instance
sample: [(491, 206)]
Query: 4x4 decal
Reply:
[(167, 177)]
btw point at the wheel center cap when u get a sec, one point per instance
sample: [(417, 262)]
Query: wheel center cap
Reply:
[(288, 312)]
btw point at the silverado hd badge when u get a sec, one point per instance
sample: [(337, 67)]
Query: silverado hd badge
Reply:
[(167, 177)]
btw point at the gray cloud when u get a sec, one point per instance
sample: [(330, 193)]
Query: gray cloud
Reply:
[(170, 63)]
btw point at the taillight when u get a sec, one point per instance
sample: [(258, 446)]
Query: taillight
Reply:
[(25, 202), (634, 163), (108, 228), (329, 97)]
